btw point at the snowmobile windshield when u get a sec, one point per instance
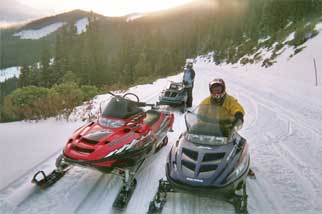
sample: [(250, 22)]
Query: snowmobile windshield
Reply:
[(209, 124), (177, 86), (121, 108)]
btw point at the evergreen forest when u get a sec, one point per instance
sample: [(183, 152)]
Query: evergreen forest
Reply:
[(114, 54)]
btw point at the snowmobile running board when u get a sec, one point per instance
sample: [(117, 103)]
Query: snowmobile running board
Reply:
[(48, 180)]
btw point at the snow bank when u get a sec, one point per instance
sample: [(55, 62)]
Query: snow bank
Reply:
[(39, 33), (81, 25), (9, 73)]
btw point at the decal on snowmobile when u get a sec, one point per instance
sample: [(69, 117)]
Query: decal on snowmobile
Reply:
[(121, 139)]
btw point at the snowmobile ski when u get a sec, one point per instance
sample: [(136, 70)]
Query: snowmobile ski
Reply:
[(160, 197), (48, 180), (124, 196), (239, 200)]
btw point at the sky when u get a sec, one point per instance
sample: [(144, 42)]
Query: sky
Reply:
[(105, 7)]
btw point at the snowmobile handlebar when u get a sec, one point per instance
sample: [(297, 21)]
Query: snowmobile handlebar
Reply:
[(137, 102)]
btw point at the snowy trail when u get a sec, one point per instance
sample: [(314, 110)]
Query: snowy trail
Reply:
[(285, 143), (280, 138)]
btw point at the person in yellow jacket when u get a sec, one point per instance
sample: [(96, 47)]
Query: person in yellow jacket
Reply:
[(219, 97)]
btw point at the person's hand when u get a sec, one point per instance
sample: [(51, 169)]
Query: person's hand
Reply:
[(185, 82), (238, 119)]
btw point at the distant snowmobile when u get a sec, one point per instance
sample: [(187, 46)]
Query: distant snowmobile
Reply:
[(210, 158), (118, 142), (174, 95)]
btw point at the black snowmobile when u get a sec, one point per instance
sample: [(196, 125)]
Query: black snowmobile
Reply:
[(209, 158), (174, 95)]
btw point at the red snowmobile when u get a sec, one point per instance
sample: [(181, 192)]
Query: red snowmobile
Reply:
[(118, 142)]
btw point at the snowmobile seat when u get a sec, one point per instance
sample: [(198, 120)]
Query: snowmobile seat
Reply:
[(151, 117)]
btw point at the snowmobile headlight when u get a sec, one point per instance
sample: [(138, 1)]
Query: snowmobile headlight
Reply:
[(239, 169), (111, 123)]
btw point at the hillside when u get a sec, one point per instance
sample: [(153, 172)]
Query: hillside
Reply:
[(116, 53), (204, 25), (16, 50)]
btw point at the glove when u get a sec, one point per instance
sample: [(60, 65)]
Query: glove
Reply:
[(238, 119), (185, 82)]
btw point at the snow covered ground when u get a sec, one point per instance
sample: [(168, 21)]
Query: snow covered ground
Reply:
[(39, 33), (283, 125), (9, 73), (44, 31), (81, 25)]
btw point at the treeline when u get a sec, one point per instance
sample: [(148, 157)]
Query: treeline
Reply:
[(236, 37)]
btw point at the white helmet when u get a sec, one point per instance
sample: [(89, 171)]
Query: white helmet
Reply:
[(218, 95)]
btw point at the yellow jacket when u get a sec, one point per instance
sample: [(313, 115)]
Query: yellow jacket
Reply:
[(230, 104)]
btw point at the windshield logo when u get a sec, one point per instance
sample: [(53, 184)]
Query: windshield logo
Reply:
[(195, 179)]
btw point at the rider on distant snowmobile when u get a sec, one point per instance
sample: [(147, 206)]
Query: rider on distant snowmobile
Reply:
[(188, 80)]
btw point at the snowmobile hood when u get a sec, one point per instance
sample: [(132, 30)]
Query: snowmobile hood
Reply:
[(207, 166), (94, 142)]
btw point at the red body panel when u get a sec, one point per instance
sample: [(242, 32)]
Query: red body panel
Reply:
[(85, 146)]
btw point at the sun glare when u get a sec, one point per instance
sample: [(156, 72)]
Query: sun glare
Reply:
[(105, 7)]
